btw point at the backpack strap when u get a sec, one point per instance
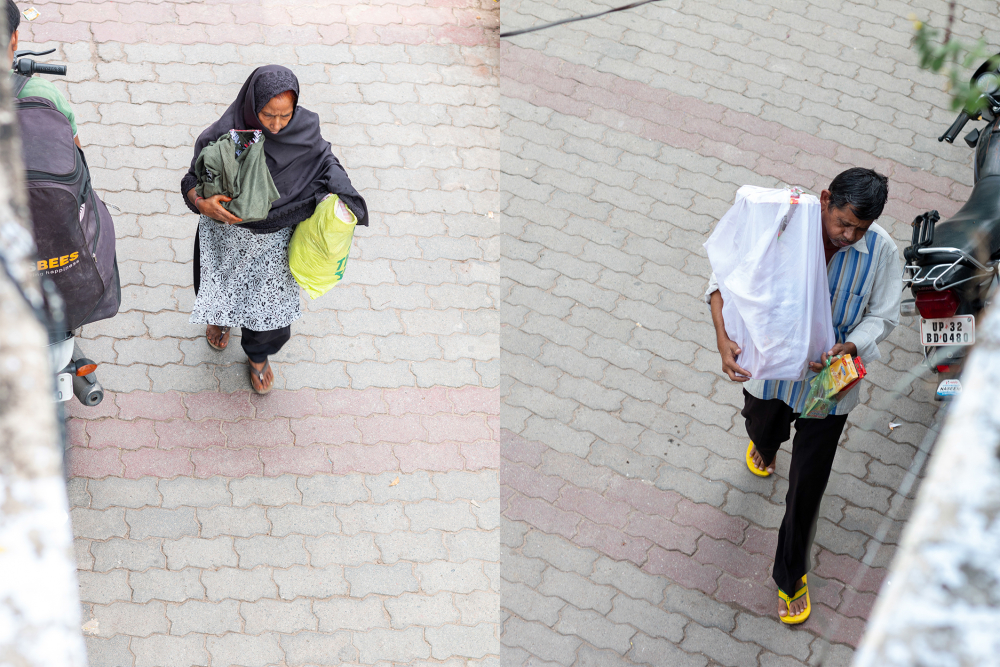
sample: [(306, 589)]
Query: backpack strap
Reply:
[(18, 82)]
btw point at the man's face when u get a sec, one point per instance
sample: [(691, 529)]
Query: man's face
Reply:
[(11, 48), (841, 227)]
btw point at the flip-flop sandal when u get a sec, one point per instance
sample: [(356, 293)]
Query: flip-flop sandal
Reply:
[(802, 615), (223, 339), (754, 469), (259, 374)]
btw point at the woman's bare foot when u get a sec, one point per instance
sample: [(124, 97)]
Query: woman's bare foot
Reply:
[(256, 371), (218, 337), (796, 607), (758, 461)]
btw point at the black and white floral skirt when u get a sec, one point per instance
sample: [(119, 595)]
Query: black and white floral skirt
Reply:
[(244, 278)]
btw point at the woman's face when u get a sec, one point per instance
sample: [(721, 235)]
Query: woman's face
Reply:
[(277, 113)]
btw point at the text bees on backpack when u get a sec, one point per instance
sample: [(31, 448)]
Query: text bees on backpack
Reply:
[(48, 265)]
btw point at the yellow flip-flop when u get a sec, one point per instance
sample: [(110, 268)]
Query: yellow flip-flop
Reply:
[(804, 614), (754, 469)]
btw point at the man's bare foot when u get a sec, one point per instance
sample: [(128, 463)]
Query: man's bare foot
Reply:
[(218, 337), (758, 461), (259, 386), (796, 607)]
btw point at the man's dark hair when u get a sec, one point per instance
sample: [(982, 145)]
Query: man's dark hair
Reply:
[(864, 190), (13, 18)]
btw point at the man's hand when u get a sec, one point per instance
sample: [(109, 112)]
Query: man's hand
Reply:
[(213, 208), (729, 351), (837, 350)]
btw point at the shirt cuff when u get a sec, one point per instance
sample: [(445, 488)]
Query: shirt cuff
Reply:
[(867, 347)]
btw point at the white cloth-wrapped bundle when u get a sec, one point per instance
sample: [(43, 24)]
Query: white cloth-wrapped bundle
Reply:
[(767, 255)]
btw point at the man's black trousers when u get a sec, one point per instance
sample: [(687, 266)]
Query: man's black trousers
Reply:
[(815, 444)]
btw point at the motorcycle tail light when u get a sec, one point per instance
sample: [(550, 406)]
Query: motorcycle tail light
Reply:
[(943, 368), (933, 304)]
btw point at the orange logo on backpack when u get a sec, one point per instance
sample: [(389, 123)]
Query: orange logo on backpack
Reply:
[(56, 262)]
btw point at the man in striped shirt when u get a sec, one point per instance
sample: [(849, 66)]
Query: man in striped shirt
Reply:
[(865, 286)]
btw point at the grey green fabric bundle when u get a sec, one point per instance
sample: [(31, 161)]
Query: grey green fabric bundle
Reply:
[(234, 165)]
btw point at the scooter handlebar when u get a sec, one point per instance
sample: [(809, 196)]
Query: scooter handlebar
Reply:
[(955, 128)]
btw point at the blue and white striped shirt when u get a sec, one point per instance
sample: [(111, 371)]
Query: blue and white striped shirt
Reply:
[(865, 286)]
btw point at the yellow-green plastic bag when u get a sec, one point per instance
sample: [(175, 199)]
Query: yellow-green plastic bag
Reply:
[(317, 253)]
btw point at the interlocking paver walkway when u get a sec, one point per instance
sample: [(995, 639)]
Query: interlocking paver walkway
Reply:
[(633, 533), (349, 517)]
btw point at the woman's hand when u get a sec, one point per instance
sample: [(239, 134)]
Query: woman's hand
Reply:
[(213, 208)]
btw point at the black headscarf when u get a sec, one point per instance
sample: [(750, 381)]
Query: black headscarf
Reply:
[(301, 162)]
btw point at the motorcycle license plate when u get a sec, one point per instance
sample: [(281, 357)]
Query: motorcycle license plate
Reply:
[(959, 330), (64, 387)]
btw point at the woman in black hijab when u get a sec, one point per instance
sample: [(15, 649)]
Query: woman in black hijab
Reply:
[(241, 274)]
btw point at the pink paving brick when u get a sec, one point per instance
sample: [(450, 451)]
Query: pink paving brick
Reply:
[(757, 596), (59, 32), (76, 433), (472, 36), (157, 463), (93, 463), (481, 454), (417, 15), (437, 456), (856, 604), (224, 33), (113, 31), (368, 459), (710, 521), (326, 430), (372, 15), (334, 34), (835, 627), (216, 405), (204, 13), (226, 462), (828, 591), (663, 532), (394, 34), (542, 515), (258, 433), (732, 559), (414, 400), (293, 404), (75, 13), (296, 461), (279, 34), (593, 505), (752, 124), (682, 569), (760, 541), (612, 542), (147, 405), (643, 496), (190, 435), (530, 482), (178, 34), (849, 571), (475, 399), (460, 428), (383, 428), (106, 408), (352, 402), (121, 435)]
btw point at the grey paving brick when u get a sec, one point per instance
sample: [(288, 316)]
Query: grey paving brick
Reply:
[(245, 649), (540, 641), (269, 550), (413, 547), (391, 645), (480, 607), (169, 651), (112, 651), (318, 648), (310, 582), (341, 549), (381, 579), (447, 576), (719, 646), (462, 641), (595, 628), (560, 552), (464, 545), (157, 522), (393, 486), (699, 607), (529, 604), (277, 616), (274, 491), (137, 620), (193, 492), (202, 553), (98, 524), (231, 584), (339, 490), (661, 653), (135, 555), (348, 614), (772, 635), (432, 514), (104, 587), (577, 590), (123, 492), (302, 520), (167, 585), (628, 579), (236, 521), (204, 617), (372, 518)]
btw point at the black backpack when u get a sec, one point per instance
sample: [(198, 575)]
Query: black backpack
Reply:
[(73, 229)]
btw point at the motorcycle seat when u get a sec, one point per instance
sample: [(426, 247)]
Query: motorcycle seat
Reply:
[(975, 225)]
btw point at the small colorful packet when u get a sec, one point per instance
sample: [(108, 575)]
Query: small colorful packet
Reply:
[(832, 384)]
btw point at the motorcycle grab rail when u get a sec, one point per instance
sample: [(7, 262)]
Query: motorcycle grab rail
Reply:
[(961, 253)]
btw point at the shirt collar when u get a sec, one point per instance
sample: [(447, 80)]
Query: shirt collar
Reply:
[(861, 245)]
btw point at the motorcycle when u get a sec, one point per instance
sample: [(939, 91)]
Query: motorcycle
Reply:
[(952, 265), (75, 374)]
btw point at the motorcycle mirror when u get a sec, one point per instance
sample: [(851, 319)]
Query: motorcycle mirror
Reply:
[(972, 138)]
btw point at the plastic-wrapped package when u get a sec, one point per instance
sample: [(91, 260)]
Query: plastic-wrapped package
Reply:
[(832, 384), (767, 254)]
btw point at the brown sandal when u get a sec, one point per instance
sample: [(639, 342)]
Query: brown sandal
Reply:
[(223, 338), (259, 375)]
